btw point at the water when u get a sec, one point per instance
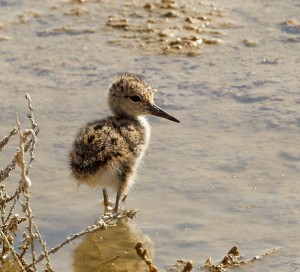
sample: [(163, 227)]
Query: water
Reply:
[(226, 175)]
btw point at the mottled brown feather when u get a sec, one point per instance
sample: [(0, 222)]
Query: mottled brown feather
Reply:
[(106, 153)]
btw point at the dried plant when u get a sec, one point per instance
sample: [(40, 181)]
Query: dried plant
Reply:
[(12, 223), (233, 259), (107, 220), (143, 254)]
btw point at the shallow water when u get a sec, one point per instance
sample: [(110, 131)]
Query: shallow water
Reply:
[(226, 175)]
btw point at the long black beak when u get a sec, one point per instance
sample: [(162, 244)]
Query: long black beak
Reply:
[(154, 110)]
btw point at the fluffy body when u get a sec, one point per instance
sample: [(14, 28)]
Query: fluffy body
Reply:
[(107, 152)]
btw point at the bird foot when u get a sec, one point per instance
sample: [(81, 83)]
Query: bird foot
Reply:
[(111, 207), (112, 210), (108, 208), (107, 203)]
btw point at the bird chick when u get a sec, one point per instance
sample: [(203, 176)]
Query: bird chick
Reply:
[(106, 152)]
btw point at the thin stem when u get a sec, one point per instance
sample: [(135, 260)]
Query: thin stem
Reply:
[(104, 222)]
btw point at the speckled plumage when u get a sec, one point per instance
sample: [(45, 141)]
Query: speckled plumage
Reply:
[(106, 152)]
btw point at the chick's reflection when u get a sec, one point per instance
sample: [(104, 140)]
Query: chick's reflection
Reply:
[(111, 250)]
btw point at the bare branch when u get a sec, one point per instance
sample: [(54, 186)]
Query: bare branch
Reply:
[(107, 220), (233, 259), (30, 115), (143, 254), (5, 139)]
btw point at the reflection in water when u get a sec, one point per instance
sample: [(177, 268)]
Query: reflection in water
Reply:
[(111, 250)]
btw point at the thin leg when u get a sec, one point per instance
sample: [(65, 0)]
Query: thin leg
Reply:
[(116, 208), (105, 197), (124, 176)]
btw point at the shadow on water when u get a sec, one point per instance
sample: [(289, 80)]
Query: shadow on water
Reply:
[(111, 250)]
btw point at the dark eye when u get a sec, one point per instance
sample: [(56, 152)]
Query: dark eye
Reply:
[(135, 98)]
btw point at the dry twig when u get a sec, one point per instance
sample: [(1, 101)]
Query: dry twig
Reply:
[(143, 254), (233, 259), (107, 220), (11, 221)]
